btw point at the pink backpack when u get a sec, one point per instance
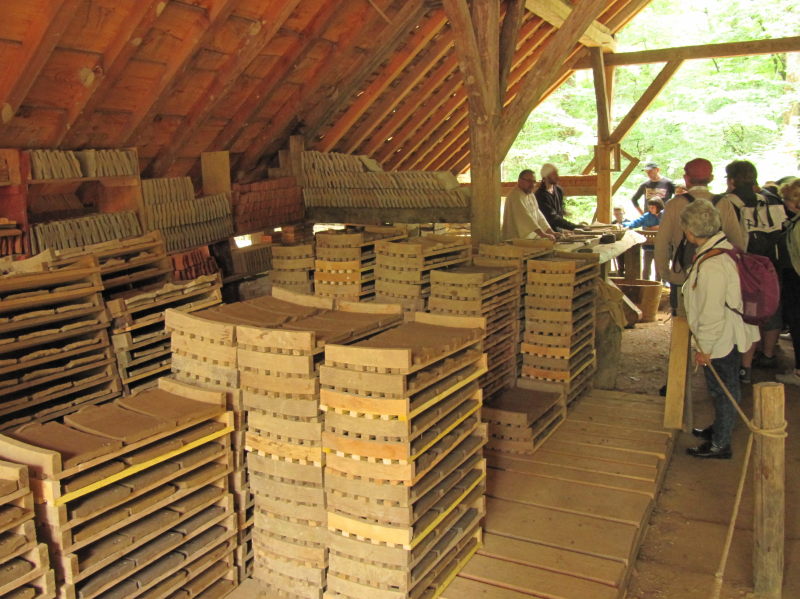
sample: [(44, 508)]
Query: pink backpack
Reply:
[(758, 281)]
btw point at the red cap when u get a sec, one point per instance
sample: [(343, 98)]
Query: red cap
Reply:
[(699, 168)]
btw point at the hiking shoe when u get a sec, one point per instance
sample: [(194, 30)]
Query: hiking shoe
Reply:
[(790, 378), (762, 361), (744, 376)]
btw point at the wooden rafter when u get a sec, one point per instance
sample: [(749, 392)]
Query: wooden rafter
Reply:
[(34, 50), (404, 21), (110, 67), (205, 29), (601, 94), (556, 12), (419, 40), (509, 36), (221, 85), (617, 19)]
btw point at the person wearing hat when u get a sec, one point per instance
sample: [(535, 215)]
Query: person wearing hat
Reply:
[(656, 186), (551, 200)]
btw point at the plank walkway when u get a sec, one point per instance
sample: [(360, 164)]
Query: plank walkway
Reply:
[(567, 522)]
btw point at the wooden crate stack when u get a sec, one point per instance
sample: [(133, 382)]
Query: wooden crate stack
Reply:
[(293, 267), (345, 261), (515, 253), (54, 348), (24, 562), (132, 495), (138, 334), (490, 292), (404, 471), (267, 204), (558, 348), (402, 268)]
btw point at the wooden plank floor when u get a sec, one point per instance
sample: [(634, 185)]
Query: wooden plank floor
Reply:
[(567, 522)]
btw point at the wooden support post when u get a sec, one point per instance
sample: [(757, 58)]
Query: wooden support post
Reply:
[(677, 372), (602, 159), (603, 151), (297, 145), (769, 486)]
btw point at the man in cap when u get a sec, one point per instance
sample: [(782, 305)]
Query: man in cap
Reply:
[(656, 186), (551, 200), (522, 218)]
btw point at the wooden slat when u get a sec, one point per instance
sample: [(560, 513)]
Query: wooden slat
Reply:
[(677, 372)]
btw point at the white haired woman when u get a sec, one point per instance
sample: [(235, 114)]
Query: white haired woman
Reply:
[(713, 299)]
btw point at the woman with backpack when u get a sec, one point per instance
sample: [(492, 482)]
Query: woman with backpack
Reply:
[(789, 270), (713, 300)]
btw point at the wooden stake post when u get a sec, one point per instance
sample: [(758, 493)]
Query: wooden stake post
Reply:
[(769, 477)]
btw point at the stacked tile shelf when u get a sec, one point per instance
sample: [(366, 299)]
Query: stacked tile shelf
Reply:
[(558, 347), (25, 571), (404, 470), (293, 267), (54, 346), (345, 261), (138, 334), (402, 268), (132, 495)]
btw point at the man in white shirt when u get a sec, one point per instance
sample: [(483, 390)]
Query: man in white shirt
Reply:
[(522, 218)]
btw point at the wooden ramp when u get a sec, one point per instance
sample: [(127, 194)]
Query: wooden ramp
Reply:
[(567, 521)]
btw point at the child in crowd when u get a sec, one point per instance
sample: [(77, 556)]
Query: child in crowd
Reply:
[(649, 221), (619, 216)]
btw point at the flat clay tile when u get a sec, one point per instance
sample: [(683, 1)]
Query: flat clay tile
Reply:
[(97, 552), (159, 591), (86, 478), (75, 447), (197, 455), (201, 476), (7, 486), (205, 495), (202, 581), (111, 420), (113, 572), (10, 513), (152, 451), (188, 526), (219, 589), (147, 500), (162, 404), (21, 593), (12, 570), (149, 550), (9, 543), (94, 502), (149, 477), (200, 431), (149, 524), (163, 565), (201, 541), (100, 524)]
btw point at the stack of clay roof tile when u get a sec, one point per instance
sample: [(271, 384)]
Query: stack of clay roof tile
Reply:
[(185, 221), (84, 231), (54, 347), (404, 469), (133, 495), (267, 204), (403, 268), (252, 260), (345, 261), (25, 571), (293, 267)]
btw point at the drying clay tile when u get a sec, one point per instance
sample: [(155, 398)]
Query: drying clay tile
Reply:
[(78, 325), (40, 333), (200, 431), (74, 307), (159, 520), (118, 423), (180, 594), (75, 447), (159, 568), (120, 591), (94, 502), (152, 451), (11, 571), (88, 477), (150, 499), (42, 353), (201, 476), (99, 524), (202, 581), (189, 526), (9, 514), (33, 314), (80, 343), (107, 575), (202, 541), (7, 486), (21, 593), (203, 496), (217, 590), (148, 551), (196, 455), (212, 556), (149, 477), (52, 390), (161, 404), (157, 592), (9, 543)]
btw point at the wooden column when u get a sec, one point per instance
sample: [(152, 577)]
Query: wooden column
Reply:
[(769, 486), (603, 150)]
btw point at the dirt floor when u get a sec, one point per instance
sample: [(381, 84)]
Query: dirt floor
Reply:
[(684, 542)]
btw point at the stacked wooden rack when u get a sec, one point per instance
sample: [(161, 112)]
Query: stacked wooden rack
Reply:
[(345, 261), (25, 571), (293, 267), (404, 472), (54, 347), (133, 495), (558, 349)]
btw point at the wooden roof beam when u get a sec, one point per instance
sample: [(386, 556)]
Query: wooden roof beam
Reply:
[(222, 84), (35, 48), (724, 50), (419, 39), (509, 38), (556, 13)]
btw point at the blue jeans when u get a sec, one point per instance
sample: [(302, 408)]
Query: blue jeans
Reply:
[(725, 415)]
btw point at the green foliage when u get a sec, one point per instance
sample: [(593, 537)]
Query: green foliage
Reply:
[(720, 109)]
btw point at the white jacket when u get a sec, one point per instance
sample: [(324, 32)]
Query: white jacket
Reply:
[(522, 217), (710, 291)]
